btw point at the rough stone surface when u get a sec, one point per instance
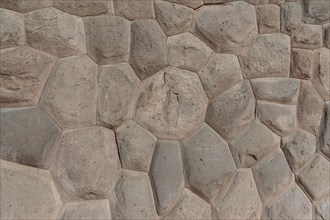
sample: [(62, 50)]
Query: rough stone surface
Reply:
[(227, 27), (132, 9), (136, 146), (69, 95), (27, 136), (255, 60), (166, 174), (232, 109), (316, 11), (268, 18), (82, 8), (23, 75), (55, 32), (86, 163), (171, 103), (322, 209), (30, 188), (308, 37), (302, 63), (187, 52), (220, 73), (327, 36), (291, 17), (321, 78), (189, 3), (208, 161), (324, 136), (116, 92), (26, 5)]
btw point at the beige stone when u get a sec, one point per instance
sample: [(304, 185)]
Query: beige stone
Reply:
[(302, 63), (82, 8), (268, 18), (316, 11), (26, 5), (324, 135), (322, 209), (327, 36), (189, 3), (321, 78), (257, 2), (133, 9), (308, 37), (291, 17)]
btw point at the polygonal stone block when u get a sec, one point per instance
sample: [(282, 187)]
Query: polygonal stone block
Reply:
[(291, 17), (132, 9), (321, 77), (302, 63), (322, 209), (327, 36), (308, 37), (268, 18), (26, 5), (189, 3), (316, 11), (82, 8), (324, 134)]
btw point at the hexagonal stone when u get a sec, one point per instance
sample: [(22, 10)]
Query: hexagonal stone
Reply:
[(27, 193), (27, 136), (108, 39), (12, 30), (26, 5), (70, 98), (279, 118), (220, 73), (82, 8), (308, 37), (268, 18), (227, 27), (302, 63), (189, 3), (95, 209), (277, 89), (238, 201), (316, 11), (166, 174), (252, 143), (327, 36), (291, 17), (256, 59), (232, 109), (173, 18), (322, 209), (55, 32), (324, 136), (86, 163), (171, 103), (293, 205), (24, 72), (315, 178), (136, 146), (321, 78), (190, 206), (148, 47), (208, 161), (309, 108), (272, 175), (132, 198), (132, 9), (298, 148), (116, 92)]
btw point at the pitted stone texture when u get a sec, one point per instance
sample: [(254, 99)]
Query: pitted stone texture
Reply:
[(256, 59), (324, 136), (257, 2), (293, 205), (82, 7), (316, 177), (27, 193), (69, 95), (116, 92), (277, 89), (190, 206), (132, 198), (309, 108), (23, 75), (26, 5), (220, 73), (133, 9), (86, 163), (321, 78), (27, 136), (316, 11), (136, 146), (252, 143), (95, 209), (208, 162), (322, 209), (55, 32), (187, 52), (171, 103), (227, 27), (327, 36), (298, 148), (240, 199), (148, 47), (272, 175), (268, 18), (173, 18), (166, 174), (302, 63), (12, 30), (291, 17), (280, 118), (308, 37), (189, 3), (232, 109), (108, 39)]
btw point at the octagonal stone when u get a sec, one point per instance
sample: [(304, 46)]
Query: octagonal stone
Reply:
[(27, 193), (24, 72), (208, 162), (308, 37), (148, 47), (116, 93), (69, 95), (171, 103), (302, 63), (82, 8), (227, 27), (26, 5), (321, 77), (232, 109), (86, 164), (133, 9), (55, 32)]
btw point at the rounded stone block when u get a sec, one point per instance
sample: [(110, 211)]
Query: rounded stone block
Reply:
[(268, 18), (302, 63), (26, 5), (82, 8), (291, 17), (134, 9), (308, 37), (316, 11)]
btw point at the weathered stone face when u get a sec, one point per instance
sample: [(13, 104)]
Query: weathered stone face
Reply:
[(291, 17), (316, 11), (132, 9), (189, 3), (324, 134), (26, 5), (268, 18), (321, 78), (82, 8), (302, 63), (322, 210), (308, 37), (12, 29)]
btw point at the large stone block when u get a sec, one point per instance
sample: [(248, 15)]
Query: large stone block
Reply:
[(26, 5), (291, 17), (321, 77), (134, 9), (302, 63), (308, 37), (268, 18), (82, 8)]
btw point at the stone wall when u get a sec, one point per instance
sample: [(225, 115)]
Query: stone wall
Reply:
[(174, 109)]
